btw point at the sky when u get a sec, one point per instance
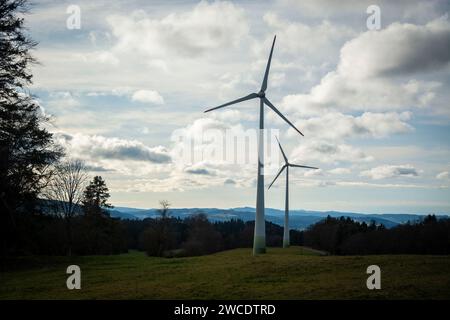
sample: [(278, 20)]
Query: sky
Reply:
[(127, 87)]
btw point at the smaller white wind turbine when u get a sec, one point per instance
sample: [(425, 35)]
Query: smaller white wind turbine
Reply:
[(286, 166)]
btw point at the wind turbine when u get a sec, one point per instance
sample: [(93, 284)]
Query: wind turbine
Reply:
[(259, 239), (286, 212)]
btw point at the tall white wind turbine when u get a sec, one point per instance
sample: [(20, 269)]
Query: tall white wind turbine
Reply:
[(259, 239), (286, 166)]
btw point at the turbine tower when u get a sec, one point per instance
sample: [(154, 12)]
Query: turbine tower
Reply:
[(286, 166), (259, 239)]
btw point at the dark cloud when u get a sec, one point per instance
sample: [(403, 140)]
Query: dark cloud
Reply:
[(97, 168), (229, 181), (386, 171), (429, 51), (406, 172), (131, 152), (399, 49), (201, 171), (99, 147), (326, 148), (63, 136)]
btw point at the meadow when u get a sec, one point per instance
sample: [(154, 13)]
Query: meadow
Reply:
[(293, 273)]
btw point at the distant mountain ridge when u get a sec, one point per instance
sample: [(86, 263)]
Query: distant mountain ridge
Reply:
[(298, 219)]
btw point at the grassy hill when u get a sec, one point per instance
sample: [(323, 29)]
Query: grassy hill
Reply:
[(295, 273)]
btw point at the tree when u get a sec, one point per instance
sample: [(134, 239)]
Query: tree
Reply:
[(95, 197), (14, 49), (203, 238), (100, 234), (164, 210), (159, 237), (27, 149), (65, 192)]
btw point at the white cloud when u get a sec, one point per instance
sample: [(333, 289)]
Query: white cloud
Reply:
[(277, 79), (208, 26), (390, 171), (119, 92), (442, 175), (150, 96), (323, 8), (199, 127), (97, 148), (166, 184), (340, 171), (312, 172), (179, 50), (323, 151), (372, 68), (335, 92), (62, 100), (233, 115), (335, 125), (350, 10), (385, 185), (313, 40), (95, 57)]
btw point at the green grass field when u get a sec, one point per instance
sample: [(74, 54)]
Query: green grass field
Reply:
[(294, 273)]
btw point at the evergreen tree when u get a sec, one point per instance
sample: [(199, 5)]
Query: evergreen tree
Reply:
[(96, 196), (26, 147)]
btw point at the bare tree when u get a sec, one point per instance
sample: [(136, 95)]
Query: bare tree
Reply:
[(164, 210), (158, 238), (65, 189)]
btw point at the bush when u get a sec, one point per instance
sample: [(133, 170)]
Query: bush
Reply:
[(159, 237)]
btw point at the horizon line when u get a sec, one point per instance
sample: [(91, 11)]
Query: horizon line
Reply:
[(320, 211)]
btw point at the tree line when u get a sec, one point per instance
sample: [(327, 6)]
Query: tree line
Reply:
[(196, 235), (72, 219), (343, 236), (167, 236)]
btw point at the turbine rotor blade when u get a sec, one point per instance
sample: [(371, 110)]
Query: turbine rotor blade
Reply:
[(269, 104), (282, 151), (248, 97), (299, 166), (266, 74), (279, 172)]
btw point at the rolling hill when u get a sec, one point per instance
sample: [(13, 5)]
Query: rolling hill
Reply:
[(299, 219)]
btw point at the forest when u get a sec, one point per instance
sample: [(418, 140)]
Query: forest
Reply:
[(96, 233), (344, 236)]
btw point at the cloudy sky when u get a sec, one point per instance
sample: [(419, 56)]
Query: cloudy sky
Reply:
[(127, 87)]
